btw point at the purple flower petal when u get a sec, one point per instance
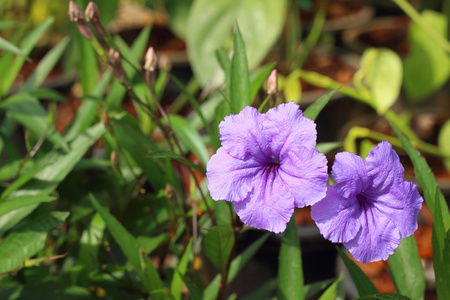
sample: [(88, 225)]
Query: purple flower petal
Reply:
[(305, 173), (384, 167), (377, 239), (269, 206), (402, 204), (241, 135), (349, 171), (230, 178), (336, 217), (287, 129)]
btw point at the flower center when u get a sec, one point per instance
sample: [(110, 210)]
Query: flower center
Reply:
[(363, 201)]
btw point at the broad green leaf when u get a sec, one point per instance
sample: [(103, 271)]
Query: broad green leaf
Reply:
[(90, 242), (363, 284), (444, 143), (27, 241), (176, 285), (23, 201), (425, 177), (24, 178), (314, 109), (332, 291), (222, 212), (47, 64), (178, 12), (130, 247), (441, 251), (190, 137), (57, 166), (384, 296), (407, 269), (27, 110), (209, 26), (427, 66), (290, 270), (218, 244), (28, 43), (240, 82), (169, 154), (8, 46), (149, 244), (381, 69)]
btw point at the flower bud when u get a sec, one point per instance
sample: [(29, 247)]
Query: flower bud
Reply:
[(271, 84), (76, 15), (150, 60), (92, 13)]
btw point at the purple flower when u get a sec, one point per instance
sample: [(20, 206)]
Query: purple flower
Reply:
[(370, 208), (267, 165)]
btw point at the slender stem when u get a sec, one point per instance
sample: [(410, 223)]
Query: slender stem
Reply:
[(416, 17)]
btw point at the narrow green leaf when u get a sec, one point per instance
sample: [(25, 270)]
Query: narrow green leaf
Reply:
[(313, 288), (407, 269), (218, 244), (130, 248), (240, 82), (23, 201), (384, 296), (314, 109), (258, 77), (57, 166), (47, 94), (176, 285), (242, 259), (90, 242), (263, 292), (149, 244), (190, 137), (28, 43), (88, 65), (441, 251), (327, 147), (47, 64), (363, 284), (27, 110), (425, 177), (225, 63), (290, 270), (212, 290), (7, 46), (169, 154), (194, 293), (332, 291), (29, 240)]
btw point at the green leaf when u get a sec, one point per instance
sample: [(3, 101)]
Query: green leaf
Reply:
[(27, 110), (444, 143), (90, 242), (384, 296), (313, 288), (23, 201), (212, 290), (427, 66), (47, 94), (130, 248), (209, 24), (46, 64), (314, 109), (262, 292), (332, 291), (327, 147), (27, 241), (194, 293), (292, 89), (7, 46), (242, 259), (441, 251), (176, 285), (363, 284), (258, 77), (382, 70), (88, 65), (28, 43), (169, 154), (189, 136), (57, 166), (218, 243), (240, 82), (290, 271), (149, 244), (407, 269), (425, 177)]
